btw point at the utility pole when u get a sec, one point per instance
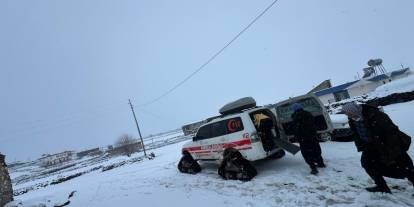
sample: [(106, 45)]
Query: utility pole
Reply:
[(139, 131)]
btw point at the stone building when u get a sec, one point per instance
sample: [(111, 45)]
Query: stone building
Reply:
[(55, 159), (126, 149), (6, 191), (90, 152)]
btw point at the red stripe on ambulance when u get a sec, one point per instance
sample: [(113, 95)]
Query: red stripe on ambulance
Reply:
[(215, 147)]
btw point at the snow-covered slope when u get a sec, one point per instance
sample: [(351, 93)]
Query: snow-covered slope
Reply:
[(398, 86), (284, 182), (405, 84)]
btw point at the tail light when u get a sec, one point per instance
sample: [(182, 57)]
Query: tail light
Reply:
[(254, 137)]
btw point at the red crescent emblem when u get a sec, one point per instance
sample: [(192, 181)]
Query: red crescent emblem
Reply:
[(232, 125)]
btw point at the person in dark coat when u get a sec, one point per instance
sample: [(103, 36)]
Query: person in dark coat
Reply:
[(305, 132), (264, 125), (383, 146)]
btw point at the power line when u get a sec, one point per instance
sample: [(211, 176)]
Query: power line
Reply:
[(41, 126), (212, 58), (63, 117), (156, 116), (45, 128), (65, 120)]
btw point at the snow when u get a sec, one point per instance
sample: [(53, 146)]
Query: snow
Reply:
[(339, 121), (403, 115), (340, 118), (398, 86), (284, 182)]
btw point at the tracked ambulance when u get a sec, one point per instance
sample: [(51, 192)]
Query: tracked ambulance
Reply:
[(234, 135)]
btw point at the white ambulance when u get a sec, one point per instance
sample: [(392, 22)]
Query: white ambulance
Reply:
[(235, 129)]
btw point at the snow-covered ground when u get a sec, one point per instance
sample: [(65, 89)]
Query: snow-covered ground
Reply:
[(284, 182), (398, 86)]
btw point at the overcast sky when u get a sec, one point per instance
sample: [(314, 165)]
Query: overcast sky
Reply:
[(67, 68)]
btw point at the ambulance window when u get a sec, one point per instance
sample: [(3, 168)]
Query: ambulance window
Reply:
[(218, 129), (227, 126), (203, 133)]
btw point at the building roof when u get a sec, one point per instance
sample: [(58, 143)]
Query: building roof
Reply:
[(399, 72), (373, 79), (334, 89), (324, 85), (378, 78)]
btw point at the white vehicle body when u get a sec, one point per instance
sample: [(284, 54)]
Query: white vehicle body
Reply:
[(238, 132), (341, 130), (310, 103), (339, 121)]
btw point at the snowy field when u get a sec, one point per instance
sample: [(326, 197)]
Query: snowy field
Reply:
[(284, 182)]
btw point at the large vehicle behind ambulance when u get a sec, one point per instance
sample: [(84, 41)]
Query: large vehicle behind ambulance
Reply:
[(310, 103)]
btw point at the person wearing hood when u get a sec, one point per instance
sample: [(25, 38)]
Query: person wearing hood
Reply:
[(305, 132), (383, 146)]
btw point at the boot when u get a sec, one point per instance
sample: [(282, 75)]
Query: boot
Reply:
[(380, 189), (321, 165), (314, 171), (411, 179)]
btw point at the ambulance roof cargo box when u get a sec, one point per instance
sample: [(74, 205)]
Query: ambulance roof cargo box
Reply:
[(238, 105)]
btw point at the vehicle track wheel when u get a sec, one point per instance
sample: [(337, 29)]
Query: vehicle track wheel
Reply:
[(188, 165), (279, 154), (235, 167)]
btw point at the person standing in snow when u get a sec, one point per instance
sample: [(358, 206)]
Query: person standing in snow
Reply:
[(383, 146), (305, 132)]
